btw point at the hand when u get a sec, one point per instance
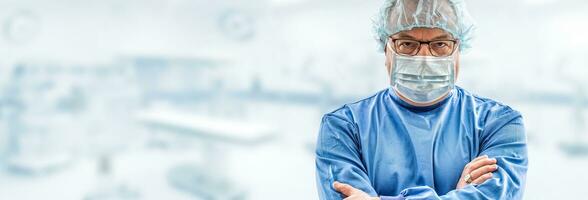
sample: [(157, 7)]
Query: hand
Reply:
[(479, 170), (351, 193)]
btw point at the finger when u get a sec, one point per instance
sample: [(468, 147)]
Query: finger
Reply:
[(482, 178), (479, 163), (483, 170), (479, 157), (343, 188)]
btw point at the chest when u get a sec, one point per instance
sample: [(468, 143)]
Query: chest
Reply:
[(416, 151)]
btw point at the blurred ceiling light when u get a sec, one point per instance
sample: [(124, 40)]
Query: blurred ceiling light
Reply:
[(21, 27)]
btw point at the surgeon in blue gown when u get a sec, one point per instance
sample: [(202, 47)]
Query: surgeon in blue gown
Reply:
[(423, 137)]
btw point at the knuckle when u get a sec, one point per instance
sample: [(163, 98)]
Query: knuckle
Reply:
[(477, 163), (477, 173), (468, 167), (474, 166)]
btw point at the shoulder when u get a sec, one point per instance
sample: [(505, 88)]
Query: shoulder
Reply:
[(491, 113), (350, 111), (341, 125)]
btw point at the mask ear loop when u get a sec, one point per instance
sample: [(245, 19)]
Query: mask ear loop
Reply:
[(457, 43), (455, 72), (388, 47)]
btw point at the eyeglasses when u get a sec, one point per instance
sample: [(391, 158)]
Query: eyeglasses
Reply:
[(438, 48)]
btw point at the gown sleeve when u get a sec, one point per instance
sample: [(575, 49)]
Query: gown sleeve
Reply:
[(338, 157)]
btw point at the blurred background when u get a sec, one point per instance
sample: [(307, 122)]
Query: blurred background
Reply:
[(195, 99)]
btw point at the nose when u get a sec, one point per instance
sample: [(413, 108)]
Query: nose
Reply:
[(424, 50)]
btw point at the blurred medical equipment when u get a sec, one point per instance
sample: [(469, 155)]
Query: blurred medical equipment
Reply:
[(578, 146), (205, 179), (107, 188), (198, 180), (31, 146)]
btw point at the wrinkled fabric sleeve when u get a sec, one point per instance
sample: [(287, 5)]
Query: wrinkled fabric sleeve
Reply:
[(505, 141), (338, 157)]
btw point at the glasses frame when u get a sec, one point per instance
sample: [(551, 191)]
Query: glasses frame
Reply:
[(393, 46)]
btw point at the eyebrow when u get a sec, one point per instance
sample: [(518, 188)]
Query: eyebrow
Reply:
[(445, 36), (440, 37)]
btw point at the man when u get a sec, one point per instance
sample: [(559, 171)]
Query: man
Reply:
[(423, 137)]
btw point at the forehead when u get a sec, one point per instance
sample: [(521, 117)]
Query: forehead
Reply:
[(424, 34)]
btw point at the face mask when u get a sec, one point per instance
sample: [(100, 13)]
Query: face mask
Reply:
[(423, 79)]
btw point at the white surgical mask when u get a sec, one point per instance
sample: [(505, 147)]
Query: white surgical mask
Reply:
[(423, 79)]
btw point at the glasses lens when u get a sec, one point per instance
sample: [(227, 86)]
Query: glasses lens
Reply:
[(442, 48), (406, 47)]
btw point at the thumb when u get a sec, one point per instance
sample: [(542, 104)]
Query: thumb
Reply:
[(343, 188)]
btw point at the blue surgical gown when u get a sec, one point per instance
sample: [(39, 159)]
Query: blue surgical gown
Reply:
[(388, 148)]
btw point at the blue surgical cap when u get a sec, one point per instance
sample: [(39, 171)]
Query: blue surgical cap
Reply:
[(402, 15)]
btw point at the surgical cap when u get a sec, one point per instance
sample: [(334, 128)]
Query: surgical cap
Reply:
[(401, 15)]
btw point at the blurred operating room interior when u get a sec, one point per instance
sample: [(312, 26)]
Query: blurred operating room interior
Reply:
[(198, 99)]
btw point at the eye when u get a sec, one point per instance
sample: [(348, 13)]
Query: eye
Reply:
[(405, 44), (408, 44), (439, 44)]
